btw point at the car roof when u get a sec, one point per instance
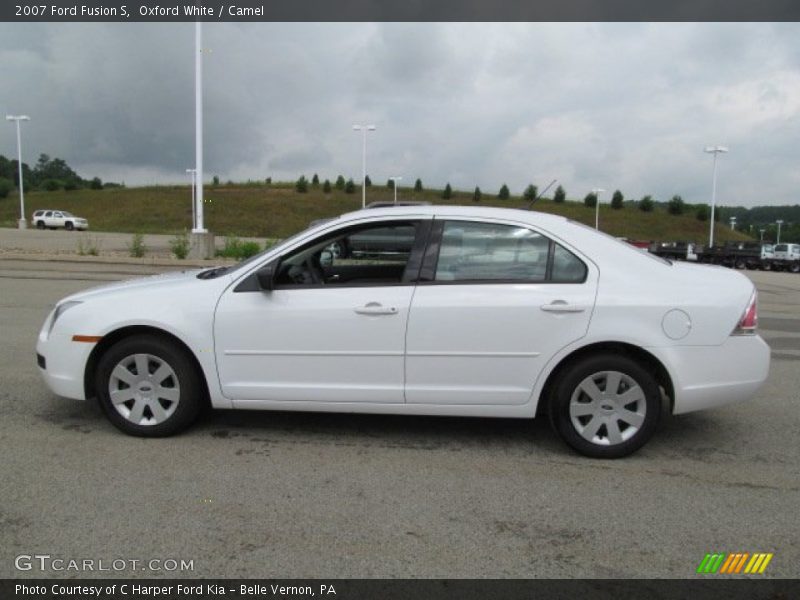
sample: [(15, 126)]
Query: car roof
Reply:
[(447, 210)]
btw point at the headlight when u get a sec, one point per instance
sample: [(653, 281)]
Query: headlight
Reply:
[(60, 309)]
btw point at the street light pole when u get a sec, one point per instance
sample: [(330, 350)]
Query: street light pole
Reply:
[(779, 222), (193, 173), (198, 125), (761, 231), (733, 223), (363, 129), (714, 150), (394, 182), (597, 192), (22, 224)]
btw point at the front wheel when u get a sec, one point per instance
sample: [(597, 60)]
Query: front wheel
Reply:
[(69, 226), (148, 387), (605, 406)]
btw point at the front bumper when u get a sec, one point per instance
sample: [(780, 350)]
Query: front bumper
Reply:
[(64, 364), (710, 376)]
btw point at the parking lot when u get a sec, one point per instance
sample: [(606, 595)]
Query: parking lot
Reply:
[(319, 495)]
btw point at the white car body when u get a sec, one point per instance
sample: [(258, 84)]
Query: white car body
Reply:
[(786, 251), (58, 219), (485, 349)]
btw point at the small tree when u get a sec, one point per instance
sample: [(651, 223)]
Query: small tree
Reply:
[(531, 192), (646, 204), (340, 183), (367, 181), (51, 185), (215, 180), (559, 195), (6, 185), (326, 187), (418, 185), (315, 180), (590, 200), (504, 194), (617, 200), (268, 180), (448, 192), (476, 195), (301, 185), (350, 187), (675, 206), (96, 184), (701, 213), (390, 184)]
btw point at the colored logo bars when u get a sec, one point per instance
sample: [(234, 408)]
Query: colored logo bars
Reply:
[(735, 563)]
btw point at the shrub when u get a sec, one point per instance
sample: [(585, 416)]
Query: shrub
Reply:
[(180, 245), (268, 180), (590, 200), (390, 184), (238, 249), (88, 245), (326, 187), (367, 181), (560, 195), (6, 185), (617, 200), (504, 194), (51, 185), (418, 185), (315, 180), (702, 212), (302, 185), (340, 183), (350, 187), (215, 180), (476, 195), (71, 185), (96, 184), (675, 206), (448, 192), (531, 192), (137, 248), (646, 204)]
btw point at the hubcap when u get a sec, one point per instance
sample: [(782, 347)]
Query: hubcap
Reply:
[(607, 408), (144, 389)]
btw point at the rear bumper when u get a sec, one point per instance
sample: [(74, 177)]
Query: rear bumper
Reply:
[(710, 376)]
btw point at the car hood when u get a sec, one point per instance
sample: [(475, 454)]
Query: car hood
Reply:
[(153, 282)]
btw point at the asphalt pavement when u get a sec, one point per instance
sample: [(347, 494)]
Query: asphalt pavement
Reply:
[(319, 495)]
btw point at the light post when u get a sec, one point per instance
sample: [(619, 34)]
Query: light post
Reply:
[(193, 173), (733, 223), (22, 222), (394, 185), (597, 192), (715, 150), (363, 129), (778, 239), (761, 231), (198, 126)]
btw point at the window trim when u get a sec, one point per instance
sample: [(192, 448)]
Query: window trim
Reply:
[(430, 261)]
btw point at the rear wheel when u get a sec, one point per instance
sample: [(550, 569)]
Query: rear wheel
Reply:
[(795, 267), (605, 406), (39, 224), (148, 387)]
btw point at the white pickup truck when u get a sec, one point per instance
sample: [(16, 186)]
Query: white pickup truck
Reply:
[(53, 219)]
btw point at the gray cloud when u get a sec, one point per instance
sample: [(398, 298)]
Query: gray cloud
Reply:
[(626, 106)]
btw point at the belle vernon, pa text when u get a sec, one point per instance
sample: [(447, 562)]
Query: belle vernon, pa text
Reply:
[(176, 10), (173, 591)]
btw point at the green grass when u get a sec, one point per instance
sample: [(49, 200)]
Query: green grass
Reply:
[(277, 210)]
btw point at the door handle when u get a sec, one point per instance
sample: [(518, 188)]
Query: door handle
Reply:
[(375, 308), (560, 306)]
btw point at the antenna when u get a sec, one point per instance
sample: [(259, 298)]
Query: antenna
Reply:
[(531, 203)]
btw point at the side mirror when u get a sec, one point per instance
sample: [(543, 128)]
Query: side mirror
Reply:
[(265, 276), (326, 258)]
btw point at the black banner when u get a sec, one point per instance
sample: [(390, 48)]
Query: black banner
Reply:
[(392, 10), (396, 589)]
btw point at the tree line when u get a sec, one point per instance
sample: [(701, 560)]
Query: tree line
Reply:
[(48, 174)]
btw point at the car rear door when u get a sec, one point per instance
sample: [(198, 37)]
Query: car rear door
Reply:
[(494, 302)]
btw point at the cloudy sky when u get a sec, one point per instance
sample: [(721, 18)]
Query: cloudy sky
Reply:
[(626, 106)]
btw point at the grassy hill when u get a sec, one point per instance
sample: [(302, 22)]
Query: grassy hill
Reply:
[(277, 210)]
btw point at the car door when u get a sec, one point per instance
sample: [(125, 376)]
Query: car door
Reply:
[(57, 220), (494, 302), (48, 219), (333, 327)]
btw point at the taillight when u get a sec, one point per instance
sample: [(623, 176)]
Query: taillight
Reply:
[(749, 321)]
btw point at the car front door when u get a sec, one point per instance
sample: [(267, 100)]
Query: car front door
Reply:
[(333, 327), (494, 302)]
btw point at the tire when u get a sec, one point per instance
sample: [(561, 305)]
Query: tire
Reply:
[(740, 264), (795, 267), (69, 226), (162, 403), (39, 224), (575, 415)]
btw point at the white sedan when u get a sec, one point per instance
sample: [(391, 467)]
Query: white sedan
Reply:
[(480, 312)]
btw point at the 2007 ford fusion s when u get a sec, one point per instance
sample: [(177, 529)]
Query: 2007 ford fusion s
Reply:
[(457, 311)]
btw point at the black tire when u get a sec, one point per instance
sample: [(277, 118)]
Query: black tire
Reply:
[(795, 267), (39, 224), (569, 383), (69, 226), (190, 390), (740, 264)]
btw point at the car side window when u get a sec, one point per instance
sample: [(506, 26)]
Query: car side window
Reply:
[(57, 215), (376, 254), (472, 251), (49, 213), (567, 268)]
